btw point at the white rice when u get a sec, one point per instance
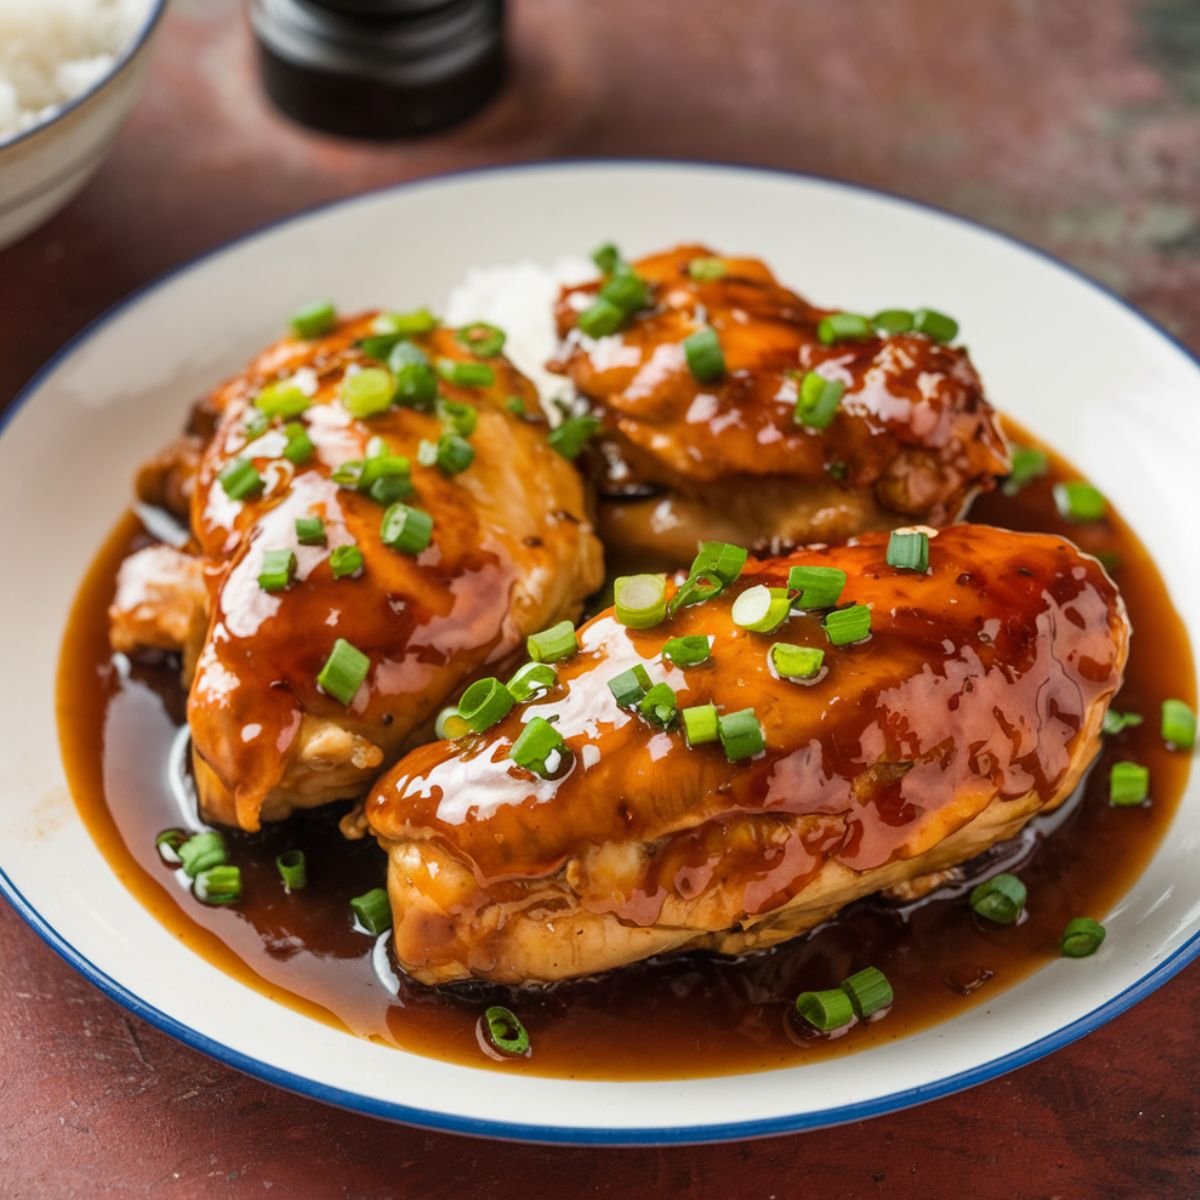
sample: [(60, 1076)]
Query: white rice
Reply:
[(519, 298), (52, 50)]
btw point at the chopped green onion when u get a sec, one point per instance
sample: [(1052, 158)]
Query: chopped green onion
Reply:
[(1079, 501), (505, 1031), (485, 703), (1128, 784), (761, 609), (530, 681), (819, 587), (630, 686), (466, 374), (1081, 938), (481, 338), (570, 437), (256, 424), (168, 842), (908, 551), (721, 559), (707, 270), (293, 870), (695, 590), (700, 724), (368, 392), (935, 325), (539, 748), (869, 992), (407, 529), (385, 478), (379, 346), (606, 257), (299, 448), (202, 851), (218, 885), (281, 399), (796, 662), (314, 319), (844, 327), (826, 1011), (278, 569), (449, 724), (659, 705), (1115, 722), (372, 911), (999, 899), (641, 600), (553, 644), (458, 416), (705, 358), (626, 289), (601, 318), (310, 531), (893, 320), (741, 734), (1028, 464), (687, 651), (845, 626), (1178, 725), (817, 401), (407, 324), (240, 479), (451, 453), (344, 672), (345, 560), (416, 380), (515, 405)]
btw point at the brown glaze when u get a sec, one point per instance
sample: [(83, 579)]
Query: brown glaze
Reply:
[(692, 1015)]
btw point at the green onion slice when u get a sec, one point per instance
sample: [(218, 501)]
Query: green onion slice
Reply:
[(721, 559), (1128, 784), (700, 724), (407, 529), (281, 399), (707, 270), (819, 587), (368, 392), (310, 531), (451, 453), (761, 609), (796, 662), (999, 899), (817, 401), (601, 318), (299, 448), (689, 651), (256, 424), (416, 380), (630, 686), (466, 374), (553, 644), (293, 870), (218, 885), (1178, 725), (705, 358), (239, 479), (505, 1031), (539, 748), (659, 705), (893, 320), (844, 626), (827, 1010), (408, 324), (202, 851), (457, 416), (372, 911), (570, 437), (626, 289), (607, 258), (530, 681), (278, 570), (485, 703), (1079, 501), (908, 550), (1081, 938), (641, 600), (449, 724), (481, 338), (869, 992), (168, 842), (1028, 464), (695, 590), (741, 734), (1115, 722), (344, 672), (345, 560), (935, 325), (844, 327), (314, 319)]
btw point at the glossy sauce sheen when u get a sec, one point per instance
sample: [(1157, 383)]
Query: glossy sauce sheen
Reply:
[(693, 1015)]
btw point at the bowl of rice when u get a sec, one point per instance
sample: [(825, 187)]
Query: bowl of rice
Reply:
[(70, 71)]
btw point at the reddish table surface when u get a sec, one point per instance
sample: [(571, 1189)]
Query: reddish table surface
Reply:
[(1072, 123)]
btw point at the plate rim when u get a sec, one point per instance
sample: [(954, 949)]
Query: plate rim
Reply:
[(578, 1135)]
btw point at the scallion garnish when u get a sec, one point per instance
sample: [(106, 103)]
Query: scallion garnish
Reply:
[(202, 851), (1115, 722), (819, 587), (707, 270), (827, 1010), (515, 405), (1079, 501), (625, 289), (570, 436), (368, 392), (1028, 464), (293, 870), (761, 609), (539, 748), (659, 705), (407, 529), (218, 885), (310, 531), (408, 324), (278, 569), (553, 644), (844, 327), (345, 560), (1081, 938), (796, 662), (696, 589), (449, 724), (606, 258), (1178, 725), (817, 400), (451, 453), (298, 448), (630, 686), (908, 550), (700, 724), (481, 338), (505, 1031), (281, 399), (239, 479), (893, 320), (722, 559), (344, 672), (741, 734), (385, 478), (705, 358), (168, 842), (935, 325), (314, 319), (457, 416), (1128, 784), (416, 380), (485, 703), (530, 681), (868, 991), (466, 374), (372, 911), (844, 626), (256, 424), (686, 652), (999, 899), (601, 318), (640, 600)]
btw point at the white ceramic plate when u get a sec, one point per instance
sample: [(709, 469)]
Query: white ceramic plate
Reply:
[(1063, 356)]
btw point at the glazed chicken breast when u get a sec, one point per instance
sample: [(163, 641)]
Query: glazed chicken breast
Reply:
[(651, 823), (365, 540), (778, 438)]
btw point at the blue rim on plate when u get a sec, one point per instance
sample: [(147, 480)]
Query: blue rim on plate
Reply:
[(564, 1135)]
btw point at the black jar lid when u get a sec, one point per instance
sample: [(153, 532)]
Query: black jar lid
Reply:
[(380, 68)]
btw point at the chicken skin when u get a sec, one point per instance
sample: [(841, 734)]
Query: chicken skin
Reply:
[(974, 702), (682, 458), (499, 547)]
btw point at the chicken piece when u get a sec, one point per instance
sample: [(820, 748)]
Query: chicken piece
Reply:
[(975, 703), (679, 460), (511, 552)]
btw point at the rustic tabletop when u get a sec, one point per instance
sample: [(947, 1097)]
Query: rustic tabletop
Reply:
[(1072, 123)]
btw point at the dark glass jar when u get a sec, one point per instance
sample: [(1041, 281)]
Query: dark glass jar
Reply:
[(380, 68)]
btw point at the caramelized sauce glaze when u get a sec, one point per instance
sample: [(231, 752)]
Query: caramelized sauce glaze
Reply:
[(689, 1016)]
